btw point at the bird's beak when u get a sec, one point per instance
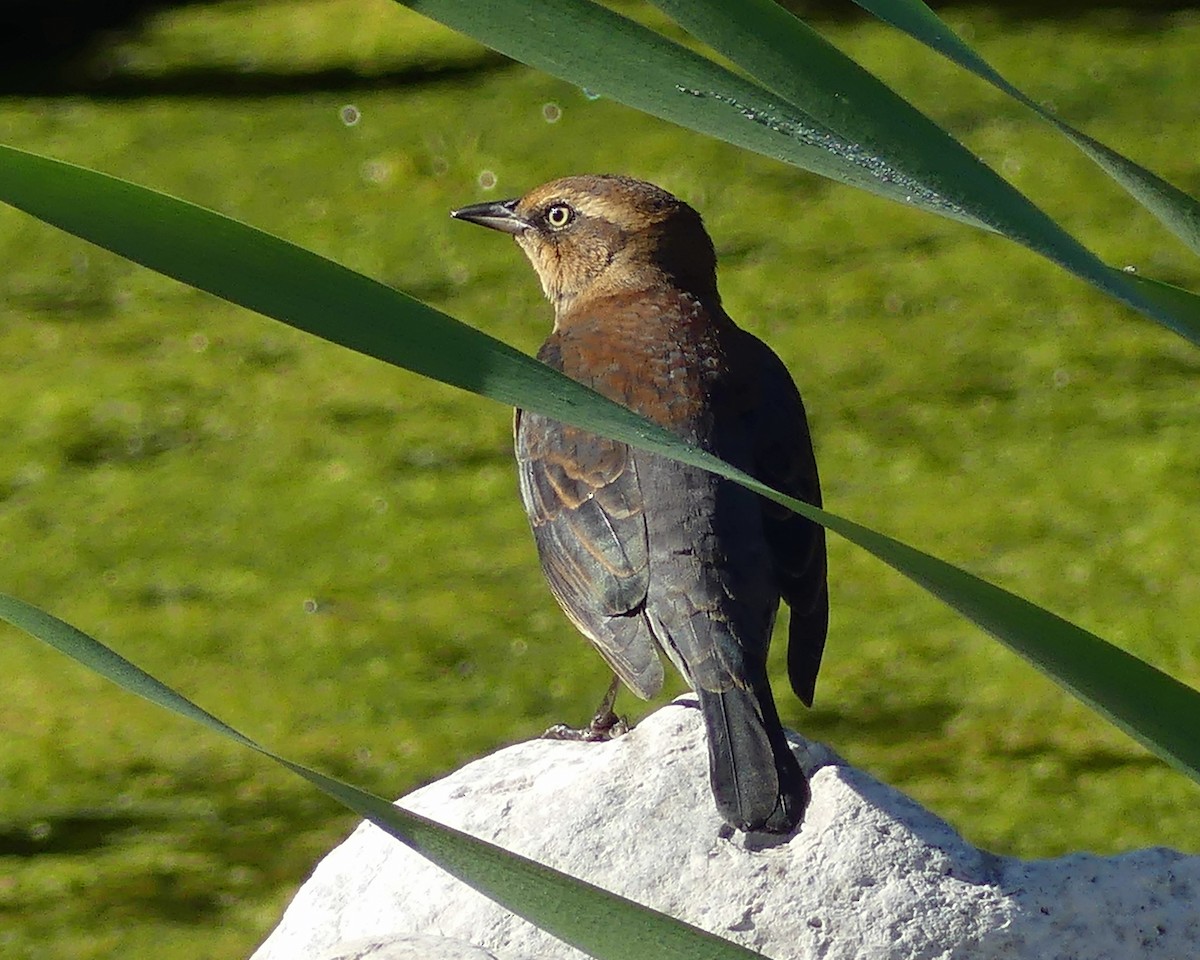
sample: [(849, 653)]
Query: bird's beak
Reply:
[(501, 215)]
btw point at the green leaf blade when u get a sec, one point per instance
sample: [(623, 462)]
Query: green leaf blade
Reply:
[(1149, 705), (1177, 211), (585, 916), (610, 55), (787, 57)]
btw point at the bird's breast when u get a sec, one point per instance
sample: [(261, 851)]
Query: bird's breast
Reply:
[(663, 355)]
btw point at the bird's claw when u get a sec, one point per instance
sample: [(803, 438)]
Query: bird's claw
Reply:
[(603, 727)]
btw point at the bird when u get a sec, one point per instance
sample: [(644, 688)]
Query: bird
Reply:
[(645, 554)]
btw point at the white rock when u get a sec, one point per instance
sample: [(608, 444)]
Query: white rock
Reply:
[(401, 947), (870, 875)]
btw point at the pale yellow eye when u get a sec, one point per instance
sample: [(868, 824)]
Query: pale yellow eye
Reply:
[(559, 215)]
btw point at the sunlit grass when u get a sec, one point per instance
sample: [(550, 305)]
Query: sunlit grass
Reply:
[(330, 553)]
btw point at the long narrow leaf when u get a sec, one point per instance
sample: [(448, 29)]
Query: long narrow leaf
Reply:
[(278, 279), (281, 280), (1176, 210), (798, 65), (1157, 710), (826, 104), (587, 917), (612, 56)]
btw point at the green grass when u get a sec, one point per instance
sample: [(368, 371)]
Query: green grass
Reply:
[(330, 553)]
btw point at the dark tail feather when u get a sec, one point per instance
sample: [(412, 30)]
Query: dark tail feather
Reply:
[(807, 627), (756, 781)]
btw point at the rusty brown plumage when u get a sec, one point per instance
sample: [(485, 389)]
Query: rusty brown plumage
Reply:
[(647, 554)]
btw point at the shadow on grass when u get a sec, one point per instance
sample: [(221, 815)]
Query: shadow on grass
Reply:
[(217, 83), (73, 832), (184, 862), (82, 66), (882, 726)]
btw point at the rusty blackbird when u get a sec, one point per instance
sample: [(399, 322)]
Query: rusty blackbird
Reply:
[(647, 554)]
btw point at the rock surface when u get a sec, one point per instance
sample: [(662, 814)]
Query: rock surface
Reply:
[(870, 875)]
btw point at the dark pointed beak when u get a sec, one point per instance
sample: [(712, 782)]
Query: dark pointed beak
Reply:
[(501, 215)]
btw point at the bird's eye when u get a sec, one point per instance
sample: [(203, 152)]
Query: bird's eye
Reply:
[(559, 215)]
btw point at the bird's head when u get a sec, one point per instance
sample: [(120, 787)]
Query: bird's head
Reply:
[(593, 236)]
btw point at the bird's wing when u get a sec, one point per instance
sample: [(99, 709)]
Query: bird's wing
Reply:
[(784, 459), (584, 503)]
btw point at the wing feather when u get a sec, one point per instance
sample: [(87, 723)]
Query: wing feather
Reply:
[(784, 459), (584, 503)]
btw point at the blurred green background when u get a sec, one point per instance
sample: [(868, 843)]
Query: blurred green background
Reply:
[(330, 553)]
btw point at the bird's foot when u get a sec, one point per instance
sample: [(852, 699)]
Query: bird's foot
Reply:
[(605, 725), (601, 728)]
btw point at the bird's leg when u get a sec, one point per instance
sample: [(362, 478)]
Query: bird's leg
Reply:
[(605, 722), (605, 725)]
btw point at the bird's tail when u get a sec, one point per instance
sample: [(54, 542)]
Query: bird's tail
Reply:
[(756, 781)]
